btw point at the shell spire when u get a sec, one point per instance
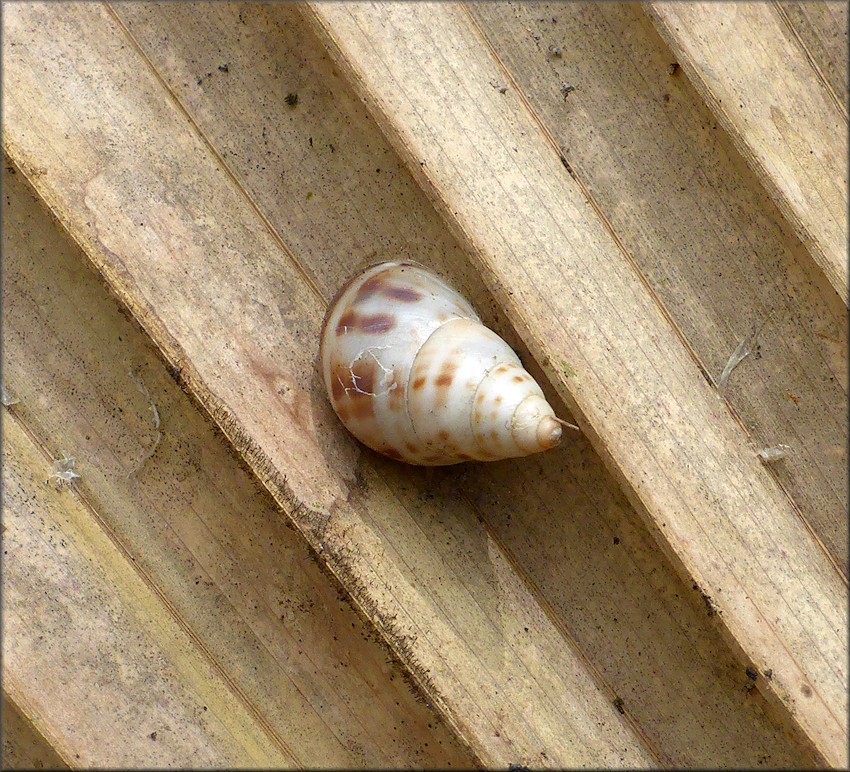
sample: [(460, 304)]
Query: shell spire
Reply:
[(413, 373)]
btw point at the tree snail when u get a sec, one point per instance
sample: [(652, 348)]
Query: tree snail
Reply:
[(413, 373)]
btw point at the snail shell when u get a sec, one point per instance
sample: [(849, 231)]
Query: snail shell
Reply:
[(413, 373)]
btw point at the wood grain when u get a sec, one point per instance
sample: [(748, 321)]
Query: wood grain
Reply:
[(98, 644), (781, 114), (822, 30), (184, 248), (701, 230), (368, 205), (24, 747)]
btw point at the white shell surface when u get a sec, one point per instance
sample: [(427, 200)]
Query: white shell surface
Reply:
[(412, 373)]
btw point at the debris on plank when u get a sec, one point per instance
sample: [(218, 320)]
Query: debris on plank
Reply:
[(63, 471), (775, 453), (741, 352), (7, 398), (143, 389)]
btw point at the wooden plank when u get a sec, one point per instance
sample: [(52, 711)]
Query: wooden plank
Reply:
[(189, 252), (821, 29), (498, 179), (700, 229), (679, 677), (780, 113), (24, 747), (202, 533)]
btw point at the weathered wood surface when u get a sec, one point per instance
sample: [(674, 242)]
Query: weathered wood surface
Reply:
[(24, 747), (528, 601), (651, 156), (778, 108), (822, 30), (183, 246)]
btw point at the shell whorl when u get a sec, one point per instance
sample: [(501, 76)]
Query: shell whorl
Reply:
[(413, 373)]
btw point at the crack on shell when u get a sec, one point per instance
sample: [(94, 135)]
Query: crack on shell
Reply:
[(389, 374)]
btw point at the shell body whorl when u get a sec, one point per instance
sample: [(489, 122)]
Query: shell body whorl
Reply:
[(413, 373)]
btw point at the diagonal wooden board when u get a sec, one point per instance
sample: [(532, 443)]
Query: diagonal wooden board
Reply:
[(24, 747), (822, 30), (779, 110), (322, 173), (92, 609), (654, 161)]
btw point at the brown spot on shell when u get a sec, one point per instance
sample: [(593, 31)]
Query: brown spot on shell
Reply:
[(362, 409), (446, 374), (498, 400), (443, 435), (432, 459), (419, 382), (404, 294), (341, 379), (379, 285), (464, 457), (370, 287), (480, 398), (348, 387), (411, 448), (377, 324), (346, 322), (392, 453), (518, 379), (374, 324)]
